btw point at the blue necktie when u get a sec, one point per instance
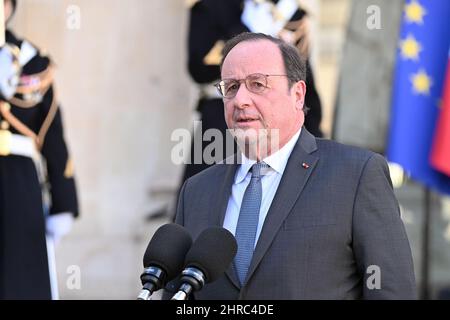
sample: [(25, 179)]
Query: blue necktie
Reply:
[(248, 222)]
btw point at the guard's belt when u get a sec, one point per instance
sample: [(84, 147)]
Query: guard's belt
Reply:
[(22, 146)]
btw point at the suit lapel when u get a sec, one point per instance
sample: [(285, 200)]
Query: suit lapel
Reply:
[(294, 178), (217, 213)]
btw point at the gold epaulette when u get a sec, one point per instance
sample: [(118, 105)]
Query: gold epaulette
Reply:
[(214, 56), (190, 3)]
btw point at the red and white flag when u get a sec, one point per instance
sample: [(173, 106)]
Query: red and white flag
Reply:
[(440, 156)]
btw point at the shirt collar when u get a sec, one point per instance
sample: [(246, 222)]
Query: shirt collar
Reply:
[(243, 169), (276, 161)]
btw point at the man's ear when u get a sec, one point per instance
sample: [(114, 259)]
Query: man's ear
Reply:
[(300, 92)]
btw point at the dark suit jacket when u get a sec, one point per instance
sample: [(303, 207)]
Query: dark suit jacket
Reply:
[(326, 225)]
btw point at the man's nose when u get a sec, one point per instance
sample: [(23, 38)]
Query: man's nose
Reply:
[(242, 99)]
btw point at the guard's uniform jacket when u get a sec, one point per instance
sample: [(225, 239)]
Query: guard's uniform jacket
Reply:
[(33, 154)]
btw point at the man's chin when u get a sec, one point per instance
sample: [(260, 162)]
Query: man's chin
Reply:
[(251, 141), (248, 135)]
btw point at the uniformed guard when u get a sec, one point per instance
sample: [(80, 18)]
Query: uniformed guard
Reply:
[(38, 197)]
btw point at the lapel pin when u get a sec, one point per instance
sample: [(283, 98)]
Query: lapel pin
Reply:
[(305, 165)]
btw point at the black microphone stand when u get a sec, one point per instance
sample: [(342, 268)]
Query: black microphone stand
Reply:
[(192, 279)]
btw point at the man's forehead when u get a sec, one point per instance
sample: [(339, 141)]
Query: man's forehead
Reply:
[(255, 56)]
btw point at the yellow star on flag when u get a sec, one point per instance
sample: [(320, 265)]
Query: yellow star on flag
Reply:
[(421, 82), (410, 48), (414, 12)]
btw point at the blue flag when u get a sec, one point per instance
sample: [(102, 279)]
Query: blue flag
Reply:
[(422, 56)]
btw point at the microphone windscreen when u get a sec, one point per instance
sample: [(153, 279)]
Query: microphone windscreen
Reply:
[(212, 252), (167, 249)]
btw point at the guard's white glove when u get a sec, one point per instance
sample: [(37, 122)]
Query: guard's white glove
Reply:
[(266, 18), (287, 8), (9, 72), (258, 18), (58, 225)]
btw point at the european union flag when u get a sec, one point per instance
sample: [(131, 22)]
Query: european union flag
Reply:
[(417, 90)]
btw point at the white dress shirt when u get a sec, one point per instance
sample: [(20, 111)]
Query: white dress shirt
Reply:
[(270, 181)]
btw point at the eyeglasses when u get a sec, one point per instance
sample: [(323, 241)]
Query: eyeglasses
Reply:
[(255, 83)]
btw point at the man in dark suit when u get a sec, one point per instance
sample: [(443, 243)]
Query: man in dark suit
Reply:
[(313, 219), (211, 23)]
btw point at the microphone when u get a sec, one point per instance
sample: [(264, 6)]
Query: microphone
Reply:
[(208, 258), (164, 258)]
